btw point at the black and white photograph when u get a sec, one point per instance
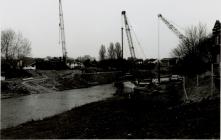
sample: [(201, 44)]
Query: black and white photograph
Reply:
[(110, 69)]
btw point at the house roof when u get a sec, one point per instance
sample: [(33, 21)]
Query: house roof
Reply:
[(217, 26)]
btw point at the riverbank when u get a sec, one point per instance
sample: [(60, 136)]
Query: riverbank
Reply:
[(45, 81), (127, 118)]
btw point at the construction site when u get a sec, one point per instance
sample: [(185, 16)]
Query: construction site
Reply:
[(121, 95)]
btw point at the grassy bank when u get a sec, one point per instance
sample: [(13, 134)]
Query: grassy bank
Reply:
[(127, 118), (85, 80), (203, 89)]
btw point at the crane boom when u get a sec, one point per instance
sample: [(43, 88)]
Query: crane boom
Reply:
[(61, 31), (129, 37), (171, 27)]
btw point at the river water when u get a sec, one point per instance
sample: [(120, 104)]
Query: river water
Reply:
[(15, 111)]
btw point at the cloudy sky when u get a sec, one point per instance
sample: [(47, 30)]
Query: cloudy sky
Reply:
[(90, 23)]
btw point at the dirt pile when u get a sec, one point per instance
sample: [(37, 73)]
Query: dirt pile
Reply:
[(71, 82), (13, 88)]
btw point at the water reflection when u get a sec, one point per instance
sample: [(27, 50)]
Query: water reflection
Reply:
[(15, 111)]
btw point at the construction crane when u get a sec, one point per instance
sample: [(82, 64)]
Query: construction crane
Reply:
[(129, 37), (171, 27), (61, 32)]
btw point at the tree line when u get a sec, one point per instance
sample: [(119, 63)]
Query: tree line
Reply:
[(14, 45), (195, 51), (114, 51), (14, 50)]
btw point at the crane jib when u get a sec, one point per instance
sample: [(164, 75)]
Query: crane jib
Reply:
[(129, 37)]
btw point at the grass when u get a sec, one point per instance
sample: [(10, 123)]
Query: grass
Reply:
[(127, 118)]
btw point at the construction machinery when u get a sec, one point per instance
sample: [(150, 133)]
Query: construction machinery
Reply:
[(171, 27), (61, 33), (174, 30), (128, 33)]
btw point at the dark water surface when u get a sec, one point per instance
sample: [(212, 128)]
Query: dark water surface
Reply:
[(15, 111)]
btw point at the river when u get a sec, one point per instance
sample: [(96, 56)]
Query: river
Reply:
[(15, 111)]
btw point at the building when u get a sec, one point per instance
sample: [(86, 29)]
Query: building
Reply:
[(216, 37), (75, 65), (167, 65), (50, 63), (168, 62)]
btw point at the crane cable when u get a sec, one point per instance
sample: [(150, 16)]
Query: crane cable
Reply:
[(59, 41), (158, 39), (138, 42)]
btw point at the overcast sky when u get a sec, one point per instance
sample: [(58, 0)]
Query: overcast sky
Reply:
[(90, 23)]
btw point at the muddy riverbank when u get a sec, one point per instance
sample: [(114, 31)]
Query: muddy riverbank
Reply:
[(46, 81)]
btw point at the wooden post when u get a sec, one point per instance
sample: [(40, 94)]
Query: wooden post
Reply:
[(197, 80), (159, 71), (211, 79), (158, 44), (122, 41), (184, 88)]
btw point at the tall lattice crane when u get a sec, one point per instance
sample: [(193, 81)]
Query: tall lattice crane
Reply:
[(61, 32), (171, 27), (129, 37)]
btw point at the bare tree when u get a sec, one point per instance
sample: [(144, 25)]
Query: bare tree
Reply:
[(111, 51), (118, 50), (24, 48), (194, 50), (190, 45), (102, 52), (7, 39), (14, 46)]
